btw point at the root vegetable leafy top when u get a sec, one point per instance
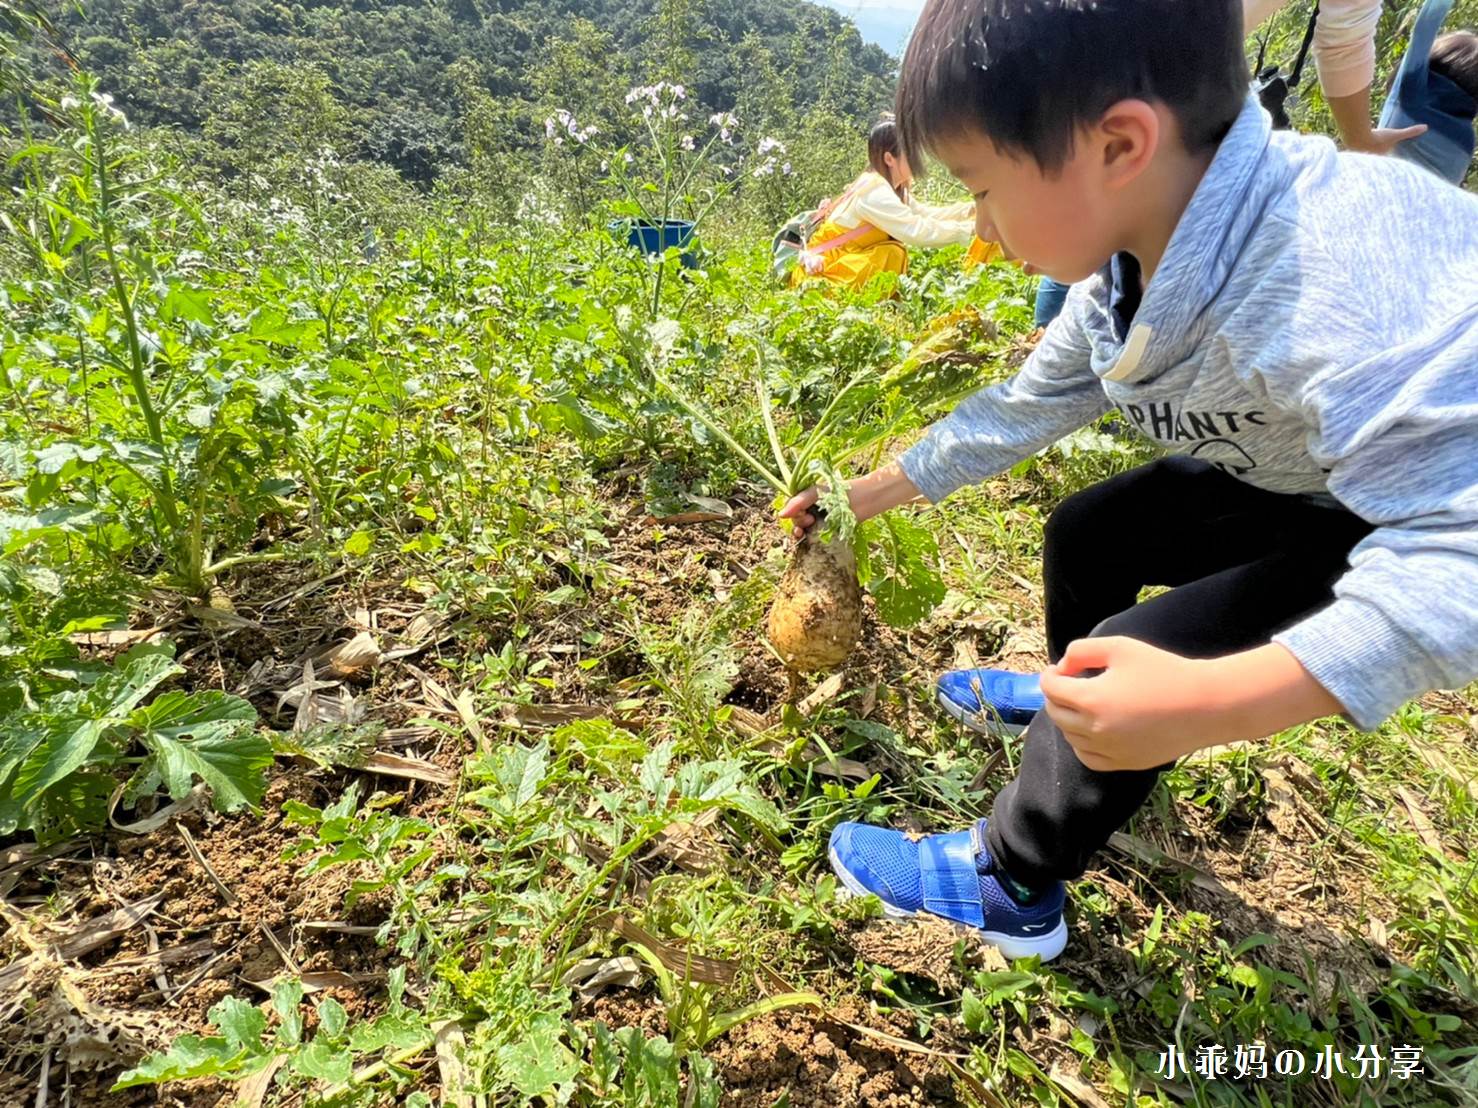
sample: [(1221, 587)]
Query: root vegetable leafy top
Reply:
[(817, 614)]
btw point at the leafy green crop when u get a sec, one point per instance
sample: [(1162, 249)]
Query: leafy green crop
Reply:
[(896, 560), (896, 557), (456, 407), (244, 1045), (169, 417), (58, 755)]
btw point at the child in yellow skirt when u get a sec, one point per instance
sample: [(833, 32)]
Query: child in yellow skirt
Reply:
[(869, 228)]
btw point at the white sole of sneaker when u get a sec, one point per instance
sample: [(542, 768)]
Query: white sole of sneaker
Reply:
[(981, 723), (1045, 947)]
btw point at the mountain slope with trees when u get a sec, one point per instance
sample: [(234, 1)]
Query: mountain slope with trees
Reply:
[(407, 70)]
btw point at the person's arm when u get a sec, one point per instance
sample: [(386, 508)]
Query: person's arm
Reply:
[(1352, 119), (1054, 393), (962, 209), (1139, 707), (1344, 53), (1344, 47), (911, 226), (1257, 12), (884, 488), (1399, 436)]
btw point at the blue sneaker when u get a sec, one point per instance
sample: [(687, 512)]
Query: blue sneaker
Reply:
[(990, 701), (951, 876)]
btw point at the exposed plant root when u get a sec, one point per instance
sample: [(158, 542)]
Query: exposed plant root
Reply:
[(816, 618)]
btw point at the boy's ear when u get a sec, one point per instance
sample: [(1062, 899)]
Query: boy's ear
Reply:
[(1129, 134)]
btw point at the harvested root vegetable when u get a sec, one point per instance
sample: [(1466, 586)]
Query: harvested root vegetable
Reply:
[(816, 618)]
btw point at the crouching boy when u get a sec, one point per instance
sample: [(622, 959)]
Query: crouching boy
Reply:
[(1297, 327)]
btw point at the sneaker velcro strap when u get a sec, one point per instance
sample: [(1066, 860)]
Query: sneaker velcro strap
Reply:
[(951, 887)]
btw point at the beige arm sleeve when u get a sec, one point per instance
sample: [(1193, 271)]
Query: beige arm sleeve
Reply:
[(913, 225), (1344, 40)]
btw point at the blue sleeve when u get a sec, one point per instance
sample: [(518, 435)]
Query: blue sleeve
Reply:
[(1409, 90), (1053, 394)]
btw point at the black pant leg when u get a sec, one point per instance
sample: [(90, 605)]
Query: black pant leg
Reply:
[(1048, 822), (1170, 522)]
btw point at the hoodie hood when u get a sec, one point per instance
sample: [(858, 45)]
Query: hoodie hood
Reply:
[(1205, 247)]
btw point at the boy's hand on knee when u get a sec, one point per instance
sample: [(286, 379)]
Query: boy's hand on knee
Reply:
[(1124, 704)]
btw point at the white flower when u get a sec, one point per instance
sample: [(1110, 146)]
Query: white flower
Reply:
[(70, 102), (656, 94), (104, 100), (770, 146), (688, 144), (564, 121), (725, 122), (785, 169), (650, 93), (627, 158), (766, 168)]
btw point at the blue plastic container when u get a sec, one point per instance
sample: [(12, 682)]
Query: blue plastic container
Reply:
[(654, 238)]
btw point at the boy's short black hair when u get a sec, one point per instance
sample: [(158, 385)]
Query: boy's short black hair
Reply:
[(1029, 73), (1455, 56)]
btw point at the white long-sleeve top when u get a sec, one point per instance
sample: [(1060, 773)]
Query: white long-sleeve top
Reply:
[(1344, 40), (872, 200)]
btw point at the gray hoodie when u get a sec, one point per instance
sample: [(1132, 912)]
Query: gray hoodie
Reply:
[(1312, 328)]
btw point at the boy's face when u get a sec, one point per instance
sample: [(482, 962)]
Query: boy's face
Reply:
[(1060, 224)]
